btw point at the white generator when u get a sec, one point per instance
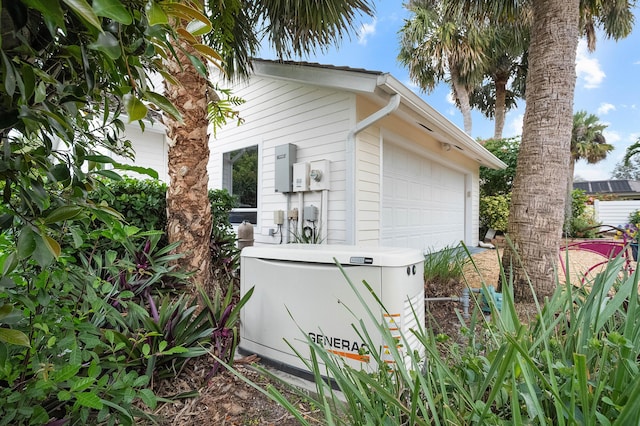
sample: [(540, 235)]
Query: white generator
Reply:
[(298, 288)]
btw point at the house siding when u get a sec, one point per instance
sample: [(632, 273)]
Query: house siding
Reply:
[(367, 186), (473, 234), (278, 112), (149, 145)]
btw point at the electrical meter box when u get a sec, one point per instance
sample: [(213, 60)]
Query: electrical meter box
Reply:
[(300, 290), (319, 175)]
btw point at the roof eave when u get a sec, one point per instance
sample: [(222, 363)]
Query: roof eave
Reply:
[(444, 127), (380, 84), (340, 78)]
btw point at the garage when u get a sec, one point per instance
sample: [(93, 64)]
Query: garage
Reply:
[(396, 172), (423, 201)]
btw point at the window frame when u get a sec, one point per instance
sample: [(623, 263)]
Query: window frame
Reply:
[(227, 181)]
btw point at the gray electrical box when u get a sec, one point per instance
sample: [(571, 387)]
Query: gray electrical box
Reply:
[(311, 213), (285, 157)]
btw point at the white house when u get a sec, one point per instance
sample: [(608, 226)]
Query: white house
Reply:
[(151, 149), (356, 151), (384, 168)]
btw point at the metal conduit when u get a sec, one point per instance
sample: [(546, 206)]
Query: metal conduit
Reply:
[(465, 299)]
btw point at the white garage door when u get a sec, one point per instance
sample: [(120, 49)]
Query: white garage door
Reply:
[(423, 202)]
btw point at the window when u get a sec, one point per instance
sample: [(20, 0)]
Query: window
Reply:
[(240, 178)]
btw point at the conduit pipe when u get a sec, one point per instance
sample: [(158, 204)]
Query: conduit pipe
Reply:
[(464, 300), (324, 216), (300, 223), (391, 106)]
